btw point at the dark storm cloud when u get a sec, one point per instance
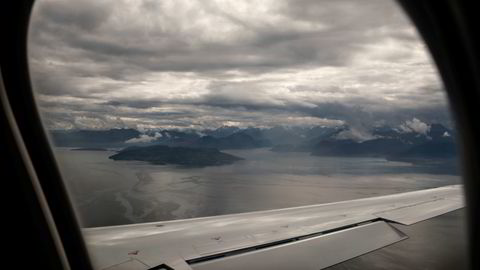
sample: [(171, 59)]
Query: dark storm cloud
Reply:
[(209, 63), (139, 104), (340, 28), (85, 15)]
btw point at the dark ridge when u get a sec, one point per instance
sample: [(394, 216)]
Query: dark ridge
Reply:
[(89, 149), (185, 156)]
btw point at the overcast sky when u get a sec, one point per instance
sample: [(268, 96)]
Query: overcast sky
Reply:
[(204, 64)]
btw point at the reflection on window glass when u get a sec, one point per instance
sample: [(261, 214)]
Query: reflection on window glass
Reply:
[(162, 110)]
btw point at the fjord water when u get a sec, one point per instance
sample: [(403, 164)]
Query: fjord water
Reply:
[(107, 192)]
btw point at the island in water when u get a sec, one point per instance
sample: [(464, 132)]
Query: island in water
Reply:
[(186, 156), (89, 149)]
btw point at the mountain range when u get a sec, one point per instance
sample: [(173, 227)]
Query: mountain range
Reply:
[(393, 143), (93, 138)]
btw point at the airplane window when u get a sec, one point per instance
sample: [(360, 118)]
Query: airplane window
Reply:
[(171, 110)]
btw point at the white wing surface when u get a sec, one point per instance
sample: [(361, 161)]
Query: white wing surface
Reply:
[(308, 237)]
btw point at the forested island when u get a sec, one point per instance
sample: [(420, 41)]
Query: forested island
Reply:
[(186, 156)]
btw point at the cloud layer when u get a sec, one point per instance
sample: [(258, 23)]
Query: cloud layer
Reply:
[(204, 64)]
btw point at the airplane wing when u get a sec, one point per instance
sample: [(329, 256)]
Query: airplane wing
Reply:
[(307, 237)]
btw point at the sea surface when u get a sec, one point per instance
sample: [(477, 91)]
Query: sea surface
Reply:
[(106, 192)]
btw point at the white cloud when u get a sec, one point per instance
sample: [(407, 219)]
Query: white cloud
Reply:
[(415, 125), (355, 134), (144, 138)]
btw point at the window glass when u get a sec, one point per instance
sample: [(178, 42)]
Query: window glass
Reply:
[(163, 110)]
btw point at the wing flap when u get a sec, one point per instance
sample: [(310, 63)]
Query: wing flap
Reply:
[(312, 253), (412, 214)]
